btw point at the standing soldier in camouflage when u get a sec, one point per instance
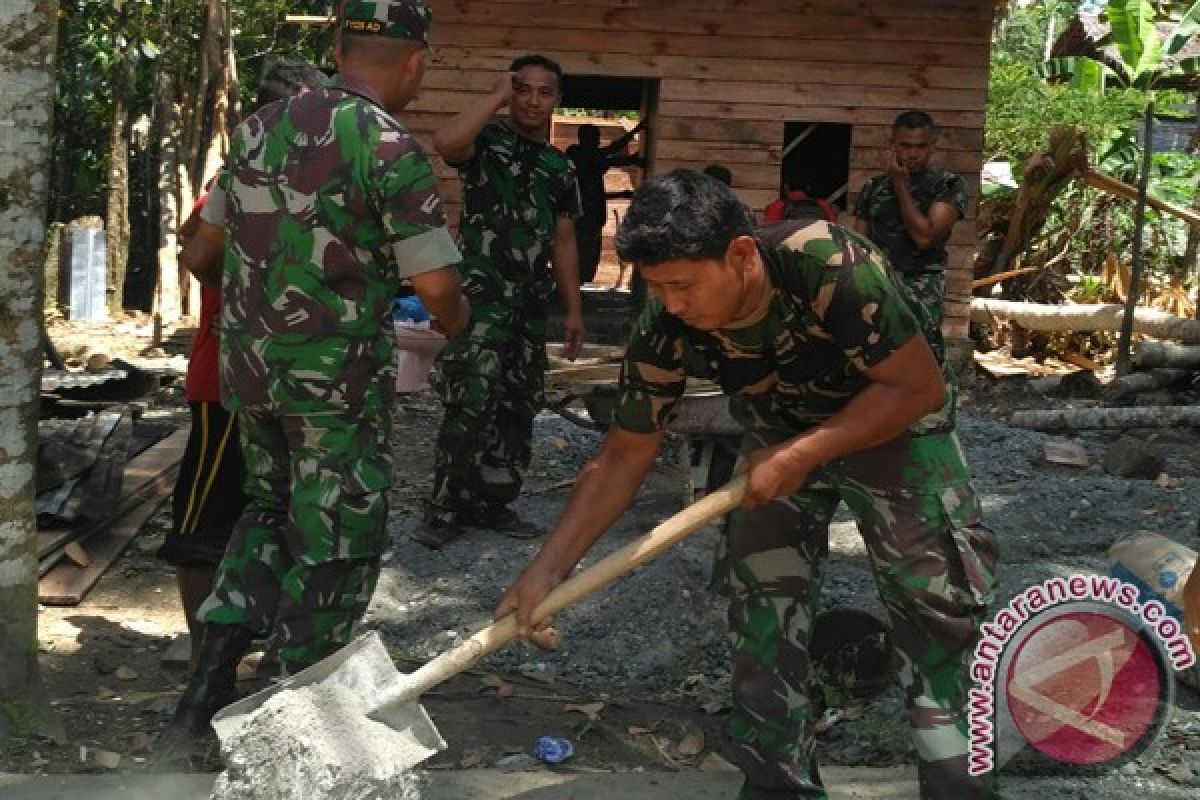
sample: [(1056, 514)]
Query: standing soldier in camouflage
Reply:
[(911, 210), (804, 327), (329, 203), (519, 205)]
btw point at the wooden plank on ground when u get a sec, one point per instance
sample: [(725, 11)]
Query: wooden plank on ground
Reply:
[(135, 483), (148, 480), (67, 584)]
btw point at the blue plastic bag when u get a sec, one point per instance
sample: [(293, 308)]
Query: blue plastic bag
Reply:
[(409, 309)]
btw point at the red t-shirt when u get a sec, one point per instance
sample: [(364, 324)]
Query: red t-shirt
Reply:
[(201, 384), (774, 212)]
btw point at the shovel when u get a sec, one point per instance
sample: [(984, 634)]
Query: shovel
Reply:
[(391, 697)]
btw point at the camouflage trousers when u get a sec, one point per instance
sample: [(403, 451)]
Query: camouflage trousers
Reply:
[(304, 557), (490, 382), (933, 564), (929, 289)]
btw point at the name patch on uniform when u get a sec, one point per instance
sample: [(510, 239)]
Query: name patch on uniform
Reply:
[(364, 26)]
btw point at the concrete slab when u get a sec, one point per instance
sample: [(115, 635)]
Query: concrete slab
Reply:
[(845, 784)]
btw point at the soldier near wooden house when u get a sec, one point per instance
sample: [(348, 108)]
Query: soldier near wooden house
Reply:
[(822, 354), (910, 211), (329, 203), (517, 234), (208, 499)]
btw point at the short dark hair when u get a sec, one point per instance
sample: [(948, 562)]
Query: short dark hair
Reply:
[(720, 172), (537, 60), (913, 121), (683, 214), (287, 78)]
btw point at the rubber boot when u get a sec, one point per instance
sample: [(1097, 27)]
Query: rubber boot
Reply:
[(211, 688)]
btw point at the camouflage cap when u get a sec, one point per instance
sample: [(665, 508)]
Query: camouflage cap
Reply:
[(395, 19)]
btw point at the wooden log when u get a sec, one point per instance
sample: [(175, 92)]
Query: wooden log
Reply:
[(1132, 384), (1077, 419), (979, 283), (1107, 183), (1085, 317), (1167, 354)]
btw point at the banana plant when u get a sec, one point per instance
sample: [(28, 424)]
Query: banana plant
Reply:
[(1145, 58)]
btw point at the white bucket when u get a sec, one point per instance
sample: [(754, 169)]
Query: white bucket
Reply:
[(416, 348)]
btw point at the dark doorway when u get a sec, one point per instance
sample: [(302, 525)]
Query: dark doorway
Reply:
[(816, 158), (613, 105)]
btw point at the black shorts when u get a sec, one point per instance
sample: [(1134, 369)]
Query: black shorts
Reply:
[(208, 497)]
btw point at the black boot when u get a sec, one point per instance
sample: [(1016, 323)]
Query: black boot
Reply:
[(210, 689)]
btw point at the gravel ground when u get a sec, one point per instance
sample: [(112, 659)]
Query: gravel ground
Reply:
[(1049, 520)]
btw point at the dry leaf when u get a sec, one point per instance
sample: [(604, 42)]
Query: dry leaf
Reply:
[(714, 763), (1163, 480), (559, 443), (634, 730), (590, 710), (106, 759), (126, 673), (105, 693), (499, 686), (1061, 451), (692, 744)]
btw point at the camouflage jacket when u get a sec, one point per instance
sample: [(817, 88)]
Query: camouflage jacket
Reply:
[(513, 192), (834, 310), (879, 207), (329, 204)]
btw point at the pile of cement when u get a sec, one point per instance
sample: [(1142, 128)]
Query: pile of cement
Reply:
[(316, 743)]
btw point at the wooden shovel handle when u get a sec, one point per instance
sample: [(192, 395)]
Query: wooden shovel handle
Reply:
[(581, 584)]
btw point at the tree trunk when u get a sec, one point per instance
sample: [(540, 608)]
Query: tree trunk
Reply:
[(28, 30), (1085, 317), (1077, 419), (116, 217), (1125, 340), (171, 180)]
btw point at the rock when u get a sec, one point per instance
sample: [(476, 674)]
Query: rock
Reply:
[(103, 664), (1131, 457)]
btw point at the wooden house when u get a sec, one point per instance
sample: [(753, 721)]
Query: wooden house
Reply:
[(769, 88)]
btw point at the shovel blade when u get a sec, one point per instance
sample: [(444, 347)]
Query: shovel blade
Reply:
[(364, 667)]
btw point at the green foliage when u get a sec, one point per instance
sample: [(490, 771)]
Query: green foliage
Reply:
[(107, 52), (1137, 40), (1022, 38), (1022, 108)]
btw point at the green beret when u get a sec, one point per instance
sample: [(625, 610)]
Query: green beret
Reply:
[(396, 19)]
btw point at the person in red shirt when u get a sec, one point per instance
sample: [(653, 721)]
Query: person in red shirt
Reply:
[(208, 497), (795, 203)]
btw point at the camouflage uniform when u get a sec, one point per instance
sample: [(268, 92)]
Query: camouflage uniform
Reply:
[(835, 310), (490, 379), (924, 271), (330, 204)]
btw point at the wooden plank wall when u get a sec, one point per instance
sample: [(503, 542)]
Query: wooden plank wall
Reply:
[(732, 72)]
